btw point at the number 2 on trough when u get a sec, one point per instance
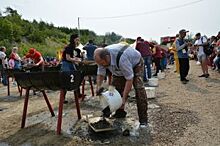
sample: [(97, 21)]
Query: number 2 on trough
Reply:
[(72, 78)]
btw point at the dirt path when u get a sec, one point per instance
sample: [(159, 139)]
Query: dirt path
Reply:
[(185, 115), (201, 96)]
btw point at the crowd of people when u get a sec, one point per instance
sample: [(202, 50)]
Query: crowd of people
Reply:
[(201, 48), (33, 59), (129, 65)]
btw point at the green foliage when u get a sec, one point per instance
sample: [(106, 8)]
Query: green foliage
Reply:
[(45, 37)]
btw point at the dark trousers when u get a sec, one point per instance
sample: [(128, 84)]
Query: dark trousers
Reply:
[(140, 93), (184, 68), (157, 64)]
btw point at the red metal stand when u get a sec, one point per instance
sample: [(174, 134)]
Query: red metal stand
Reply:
[(48, 103), (60, 112), (25, 108), (21, 91), (90, 82), (83, 89), (8, 86), (77, 104)]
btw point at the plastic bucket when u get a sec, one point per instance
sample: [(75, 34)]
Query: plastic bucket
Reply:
[(150, 92), (153, 82), (111, 98), (161, 75)]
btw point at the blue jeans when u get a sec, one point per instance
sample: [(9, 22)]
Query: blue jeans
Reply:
[(4, 77), (67, 66), (163, 63), (217, 62), (147, 63), (17, 65)]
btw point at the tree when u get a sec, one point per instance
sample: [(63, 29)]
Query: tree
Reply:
[(11, 12)]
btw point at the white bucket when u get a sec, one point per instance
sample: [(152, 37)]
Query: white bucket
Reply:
[(153, 82), (111, 98), (150, 92), (161, 75)]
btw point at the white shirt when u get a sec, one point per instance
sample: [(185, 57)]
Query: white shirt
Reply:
[(127, 62), (3, 58), (2, 55), (199, 42)]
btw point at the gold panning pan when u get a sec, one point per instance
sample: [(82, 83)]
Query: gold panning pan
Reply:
[(100, 124)]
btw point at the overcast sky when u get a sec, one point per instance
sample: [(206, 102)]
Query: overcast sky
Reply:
[(158, 17)]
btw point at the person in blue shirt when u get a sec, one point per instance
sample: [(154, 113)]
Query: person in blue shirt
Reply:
[(182, 52), (90, 48)]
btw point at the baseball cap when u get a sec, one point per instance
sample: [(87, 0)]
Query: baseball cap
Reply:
[(183, 31), (31, 51)]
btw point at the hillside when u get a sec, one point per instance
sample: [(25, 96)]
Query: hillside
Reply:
[(45, 37)]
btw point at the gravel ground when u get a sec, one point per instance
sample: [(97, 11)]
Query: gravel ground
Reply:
[(179, 115)]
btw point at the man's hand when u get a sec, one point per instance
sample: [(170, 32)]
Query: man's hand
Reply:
[(99, 91), (123, 102)]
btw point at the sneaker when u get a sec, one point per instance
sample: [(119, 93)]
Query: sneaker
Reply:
[(143, 125), (184, 81), (65, 102), (206, 75), (203, 75), (120, 113), (155, 75)]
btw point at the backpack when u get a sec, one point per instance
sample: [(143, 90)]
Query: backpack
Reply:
[(206, 48)]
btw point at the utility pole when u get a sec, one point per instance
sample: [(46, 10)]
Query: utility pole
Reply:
[(78, 27)]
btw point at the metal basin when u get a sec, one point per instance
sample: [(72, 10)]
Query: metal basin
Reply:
[(53, 80)]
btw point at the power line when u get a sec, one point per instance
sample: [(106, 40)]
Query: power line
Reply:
[(145, 13)]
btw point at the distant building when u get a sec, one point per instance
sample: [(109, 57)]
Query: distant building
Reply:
[(168, 40)]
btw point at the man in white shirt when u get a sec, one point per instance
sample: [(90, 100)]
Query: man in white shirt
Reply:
[(3, 64), (127, 66), (200, 42)]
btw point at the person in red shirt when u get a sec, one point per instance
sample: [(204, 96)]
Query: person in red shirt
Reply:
[(36, 56), (144, 48), (157, 54)]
